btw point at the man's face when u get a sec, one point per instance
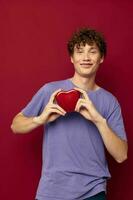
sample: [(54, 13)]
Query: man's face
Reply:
[(86, 60)]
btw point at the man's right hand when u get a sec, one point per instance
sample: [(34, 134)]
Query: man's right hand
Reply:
[(51, 111), (23, 124)]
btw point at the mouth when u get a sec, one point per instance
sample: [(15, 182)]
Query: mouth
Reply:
[(86, 64)]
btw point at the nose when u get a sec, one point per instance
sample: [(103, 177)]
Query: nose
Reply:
[(86, 57)]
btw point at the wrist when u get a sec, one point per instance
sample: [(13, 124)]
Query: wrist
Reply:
[(101, 121), (37, 120)]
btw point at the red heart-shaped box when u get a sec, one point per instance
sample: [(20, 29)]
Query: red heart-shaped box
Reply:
[(68, 99)]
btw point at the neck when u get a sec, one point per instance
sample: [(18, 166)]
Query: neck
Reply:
[(85, 83)]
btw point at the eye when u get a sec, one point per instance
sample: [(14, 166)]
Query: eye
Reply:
[(93, 51), (79, 51)]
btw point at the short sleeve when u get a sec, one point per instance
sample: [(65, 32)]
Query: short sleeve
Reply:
[(37, 103), (115, 120)]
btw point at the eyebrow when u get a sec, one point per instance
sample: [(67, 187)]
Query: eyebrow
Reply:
[(81, 48)]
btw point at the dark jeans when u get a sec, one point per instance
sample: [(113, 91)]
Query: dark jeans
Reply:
[(99, 196)]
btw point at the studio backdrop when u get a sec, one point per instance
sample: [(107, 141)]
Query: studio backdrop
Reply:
[(33, 51)]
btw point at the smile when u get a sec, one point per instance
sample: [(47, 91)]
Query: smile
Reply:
[(86, 64)]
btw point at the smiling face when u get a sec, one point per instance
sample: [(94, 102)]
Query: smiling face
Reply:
[(86, 60)]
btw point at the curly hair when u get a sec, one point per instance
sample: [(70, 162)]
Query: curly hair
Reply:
[(85, 36)]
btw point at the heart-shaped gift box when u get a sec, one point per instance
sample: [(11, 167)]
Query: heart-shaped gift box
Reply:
[(67, 99)]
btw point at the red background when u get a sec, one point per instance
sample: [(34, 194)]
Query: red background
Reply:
[(33, 37)]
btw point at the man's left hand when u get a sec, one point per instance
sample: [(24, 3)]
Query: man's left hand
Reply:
[(86, 108)]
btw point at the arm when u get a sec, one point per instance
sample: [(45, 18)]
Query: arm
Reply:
[(116, 146), (23, 124)]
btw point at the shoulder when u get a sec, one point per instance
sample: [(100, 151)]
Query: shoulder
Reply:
[(53, 85), (108, 96), (49, 87), (109, 100)]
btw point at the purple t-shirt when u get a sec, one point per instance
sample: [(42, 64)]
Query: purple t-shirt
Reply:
[(74, 163)]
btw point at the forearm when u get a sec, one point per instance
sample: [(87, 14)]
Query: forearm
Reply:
[(22, 124), (114, 144)]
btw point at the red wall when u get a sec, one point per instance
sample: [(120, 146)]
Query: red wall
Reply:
[(33, 37)]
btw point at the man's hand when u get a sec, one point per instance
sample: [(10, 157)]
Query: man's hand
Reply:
[(115, 145), (51, 111), (23, 124), (86, 108)]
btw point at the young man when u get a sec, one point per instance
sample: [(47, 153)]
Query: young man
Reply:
[(74, 163)]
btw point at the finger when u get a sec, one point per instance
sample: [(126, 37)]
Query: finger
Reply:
[(80, 103), (54, 94), (82, 92), (77, 105), (54, 110), (58, 107)]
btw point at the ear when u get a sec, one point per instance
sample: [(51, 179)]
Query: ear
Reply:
[(71, 59), (102, 59)]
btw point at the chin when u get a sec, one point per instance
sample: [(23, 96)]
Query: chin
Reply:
[(87, 75)]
